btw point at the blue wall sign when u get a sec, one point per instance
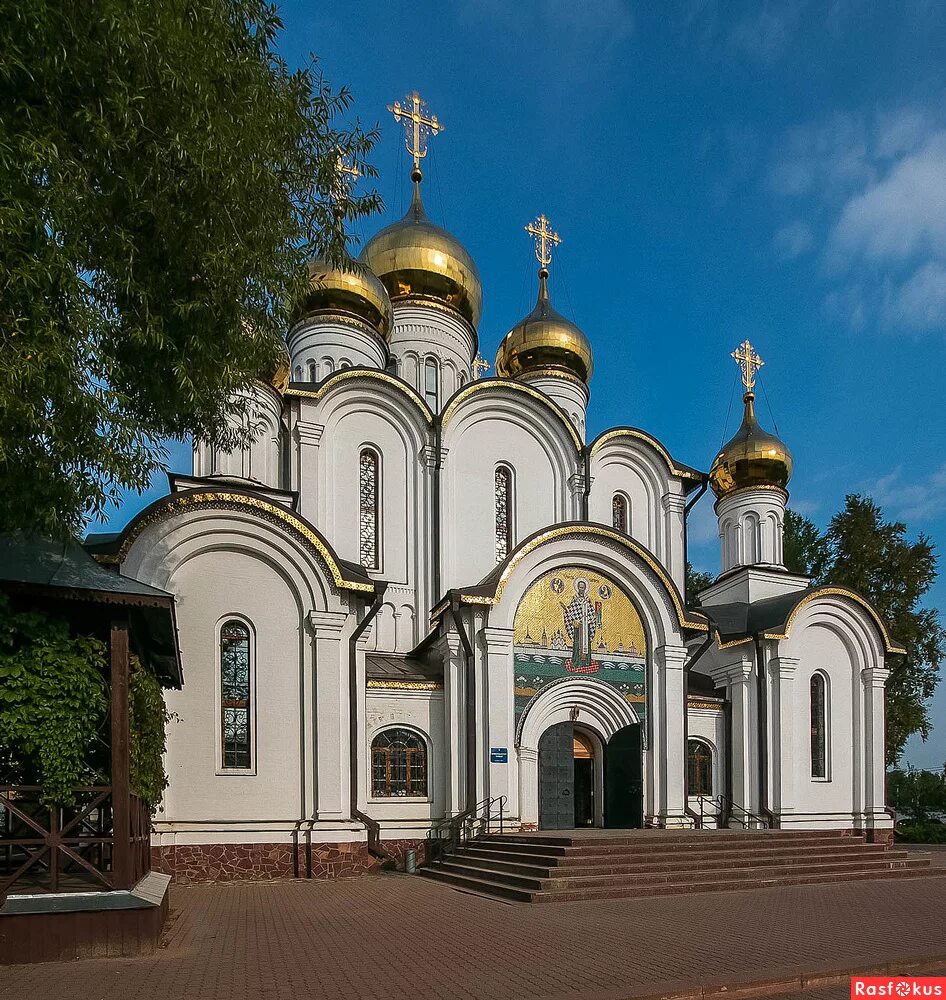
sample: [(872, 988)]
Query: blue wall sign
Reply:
[(499, 755)]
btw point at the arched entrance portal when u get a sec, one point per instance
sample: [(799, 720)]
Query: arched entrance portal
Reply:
[(582, 784)]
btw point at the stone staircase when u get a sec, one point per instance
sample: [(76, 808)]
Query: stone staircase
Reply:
[(603, 864)]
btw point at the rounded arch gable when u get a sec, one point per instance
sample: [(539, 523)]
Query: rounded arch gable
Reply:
[(599, 706)]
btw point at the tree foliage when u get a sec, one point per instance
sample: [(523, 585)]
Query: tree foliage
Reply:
[(148, 719), (696, 582), (917, 794), (165, 177), (863, 551), (53, 704)]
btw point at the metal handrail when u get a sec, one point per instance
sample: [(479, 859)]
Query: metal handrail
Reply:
[(730, 810), (452, 833)]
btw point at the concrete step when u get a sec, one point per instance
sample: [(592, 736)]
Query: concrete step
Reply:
[(645, 837), (661, 864)]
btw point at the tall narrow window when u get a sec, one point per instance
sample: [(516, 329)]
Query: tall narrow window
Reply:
[(369, 524), (398, 764), (235, 694), (619, 512), (819, 725), (313, 372), (432, 384), (699, 768), (503, 512)]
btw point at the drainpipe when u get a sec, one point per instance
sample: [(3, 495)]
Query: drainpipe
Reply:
[(763, 743), (471, 745), (435, 513), (686, 513), (353, 692)]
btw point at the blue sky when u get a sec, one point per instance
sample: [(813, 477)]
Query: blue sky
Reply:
[(717, 171)]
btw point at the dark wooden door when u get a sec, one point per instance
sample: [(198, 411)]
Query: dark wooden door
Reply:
[(557, 777), (623, 780)]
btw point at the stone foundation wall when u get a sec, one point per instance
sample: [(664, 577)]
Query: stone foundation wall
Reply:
[(190, 863)]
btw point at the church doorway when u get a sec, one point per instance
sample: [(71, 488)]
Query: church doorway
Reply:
[(573, 791)]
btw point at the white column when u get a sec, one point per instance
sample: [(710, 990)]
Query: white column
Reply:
[(308, 436), (751, 527), (332, 757), (740, 685), (450, 649), (670, 750), (576, 496), (874, 679), (782, 728), (528, 758), (501, 719), (674, 505)]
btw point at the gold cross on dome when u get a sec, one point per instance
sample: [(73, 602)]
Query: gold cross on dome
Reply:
[(480, 366), (545, 239), (749, 362), (418, 124), (344, 170)]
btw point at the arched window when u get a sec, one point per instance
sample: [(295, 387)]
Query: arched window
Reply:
[(313, 372), (369, 523), (235, 695), (503, 512), (699, 768), (298, 373), (619, 518), (398, 764), (328, 366), (461, 380), (819, 727), (432, 384)]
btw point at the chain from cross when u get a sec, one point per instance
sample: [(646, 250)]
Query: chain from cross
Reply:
[(545, 239), (480, 366), (750, 362), (418, 125)]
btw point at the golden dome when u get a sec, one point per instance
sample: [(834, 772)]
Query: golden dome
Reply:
[(752, 458), (545, 341), (415, 257), (348, 291)]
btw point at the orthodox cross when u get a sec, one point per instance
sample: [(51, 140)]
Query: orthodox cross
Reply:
[(749, 362), (545, 240), (480, 365), (418, 125), (344, 170)]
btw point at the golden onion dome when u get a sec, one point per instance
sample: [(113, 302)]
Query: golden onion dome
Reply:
[(752, 458), (545, 342), (413, 257), (348, 291)]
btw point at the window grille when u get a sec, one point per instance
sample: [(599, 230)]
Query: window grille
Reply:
[(819, 761), (368, 512), (398, 764), (235, 694), (503, 512), (619, 512), (699, 768)]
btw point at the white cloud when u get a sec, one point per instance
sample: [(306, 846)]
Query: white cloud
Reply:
[(767, 31), (794, 239), (917, 501), (920, 302)]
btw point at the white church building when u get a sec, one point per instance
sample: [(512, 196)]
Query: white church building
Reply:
[(421, 591)]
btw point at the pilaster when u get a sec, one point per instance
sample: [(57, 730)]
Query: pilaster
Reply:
[(500, 724), (783, 670), (450, 649), (308, 437), (669, 745), (874, 680)]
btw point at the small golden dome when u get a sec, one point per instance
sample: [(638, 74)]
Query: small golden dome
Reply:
[(413, 257), (545, 341), (752, 458), (349, 291)]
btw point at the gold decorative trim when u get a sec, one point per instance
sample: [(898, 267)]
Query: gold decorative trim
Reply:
[(732, 642), (368, 373), (182, 503), (339, 316), (889, 645), (767, 487), (653, 442), (376, 684), (503, 383), (549, 372), (703, 703), (590, 529)]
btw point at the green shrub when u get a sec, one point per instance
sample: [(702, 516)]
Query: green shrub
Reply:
[(922, 833)]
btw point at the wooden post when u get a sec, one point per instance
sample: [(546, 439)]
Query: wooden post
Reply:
[(121, 755)]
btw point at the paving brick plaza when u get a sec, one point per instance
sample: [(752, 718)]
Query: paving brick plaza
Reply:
[(395, 936)]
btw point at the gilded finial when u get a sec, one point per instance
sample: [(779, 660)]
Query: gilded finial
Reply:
[(546, 239), (749, 362), (480, 366), (418, 127)]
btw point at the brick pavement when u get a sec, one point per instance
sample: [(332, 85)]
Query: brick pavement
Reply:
[(388, 937)]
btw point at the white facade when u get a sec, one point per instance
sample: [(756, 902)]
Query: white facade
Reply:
[(376, 543)]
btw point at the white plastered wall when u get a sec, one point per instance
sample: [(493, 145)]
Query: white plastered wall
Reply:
[(709, 725), (322, 344)]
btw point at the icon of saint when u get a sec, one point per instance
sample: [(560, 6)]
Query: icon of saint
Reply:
[(582, 621)]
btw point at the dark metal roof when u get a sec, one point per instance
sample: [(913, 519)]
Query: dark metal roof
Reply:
[(62, 570), (386, 666)]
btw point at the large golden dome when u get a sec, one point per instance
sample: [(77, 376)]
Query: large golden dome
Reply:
[(752, 458), (349, 291), (413, 257), (545, 342)]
